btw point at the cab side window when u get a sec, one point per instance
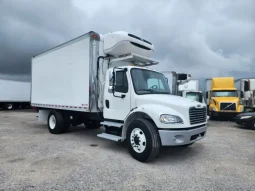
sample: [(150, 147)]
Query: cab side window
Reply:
[(121, 82)]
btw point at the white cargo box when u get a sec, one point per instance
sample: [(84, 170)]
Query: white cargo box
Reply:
[(14, 91), (64, 77), (192, 85)]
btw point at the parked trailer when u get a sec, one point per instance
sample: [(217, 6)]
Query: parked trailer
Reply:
[(14, 94), (104, 80), (246, 92)]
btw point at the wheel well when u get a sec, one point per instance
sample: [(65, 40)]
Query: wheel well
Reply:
[(132, 117)]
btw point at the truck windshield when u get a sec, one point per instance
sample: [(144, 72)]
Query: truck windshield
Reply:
[(224, 93), (149, 82), (197, 96)]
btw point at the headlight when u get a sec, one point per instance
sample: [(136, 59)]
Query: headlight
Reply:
[(245, 117), (213, 109), (166, 118)]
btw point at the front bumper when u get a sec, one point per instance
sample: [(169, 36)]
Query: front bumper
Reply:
[(182, 137), (245, 122), (225, 113)]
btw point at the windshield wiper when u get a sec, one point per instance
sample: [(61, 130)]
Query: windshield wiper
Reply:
[(153, 91)]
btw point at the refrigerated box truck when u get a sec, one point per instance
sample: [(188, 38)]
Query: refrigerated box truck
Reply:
[(14, 94), (105, 80)]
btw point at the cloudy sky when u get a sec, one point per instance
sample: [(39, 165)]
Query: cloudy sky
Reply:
[(205, 38)]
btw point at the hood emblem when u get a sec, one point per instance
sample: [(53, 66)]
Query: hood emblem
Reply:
[(198, 105)]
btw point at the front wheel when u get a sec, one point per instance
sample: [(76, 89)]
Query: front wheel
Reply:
[(252, 125), (143, 140), (211, 116)]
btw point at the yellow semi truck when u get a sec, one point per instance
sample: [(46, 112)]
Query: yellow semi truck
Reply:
[(222, 98)]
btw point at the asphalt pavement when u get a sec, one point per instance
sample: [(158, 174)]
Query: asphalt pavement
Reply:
[(33, 159)]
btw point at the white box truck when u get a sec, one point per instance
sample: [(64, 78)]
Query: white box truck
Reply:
[(14, 94), (104, 80)]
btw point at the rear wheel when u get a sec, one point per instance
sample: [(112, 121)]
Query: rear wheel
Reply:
[(56, 122), (143, 140)]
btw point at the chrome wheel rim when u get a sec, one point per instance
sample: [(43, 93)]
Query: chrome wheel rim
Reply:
[(138, 140), (52, 122)]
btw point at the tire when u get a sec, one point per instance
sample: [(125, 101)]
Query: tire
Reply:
[(9, 106), (92, 124), (143, 140), (56, 122), (252, 125), (212, 117)]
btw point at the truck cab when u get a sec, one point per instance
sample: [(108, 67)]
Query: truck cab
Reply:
[(193, 95), (191, 91), (222, 99)]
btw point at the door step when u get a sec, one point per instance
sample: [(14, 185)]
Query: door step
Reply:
[(110, 137), (111, 124)]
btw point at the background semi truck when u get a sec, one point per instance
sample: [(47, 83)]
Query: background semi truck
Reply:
[(191, 90), (175, 79), (246, 91), (105, 80), (14, 94), (222, 97)]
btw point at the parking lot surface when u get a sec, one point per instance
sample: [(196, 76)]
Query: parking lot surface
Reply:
[(33, 159)]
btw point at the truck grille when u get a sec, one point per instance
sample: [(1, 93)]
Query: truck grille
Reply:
[(197, 115), (228, 106)]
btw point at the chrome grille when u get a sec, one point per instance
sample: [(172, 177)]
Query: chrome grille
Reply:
[(228, 106), (197, 115)]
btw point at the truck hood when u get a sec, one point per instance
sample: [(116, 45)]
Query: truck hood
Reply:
[(172, 101), (226, 99)]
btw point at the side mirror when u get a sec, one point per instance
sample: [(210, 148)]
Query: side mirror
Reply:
[(113, 82), (246, 86), (242, 94)]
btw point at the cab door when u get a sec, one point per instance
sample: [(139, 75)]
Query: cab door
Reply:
[(117, 102)]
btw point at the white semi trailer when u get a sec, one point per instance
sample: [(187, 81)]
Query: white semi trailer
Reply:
[(14, 94), (104, 80), (246, 91)]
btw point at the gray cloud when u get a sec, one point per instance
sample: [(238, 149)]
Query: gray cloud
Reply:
[(204, 38)]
